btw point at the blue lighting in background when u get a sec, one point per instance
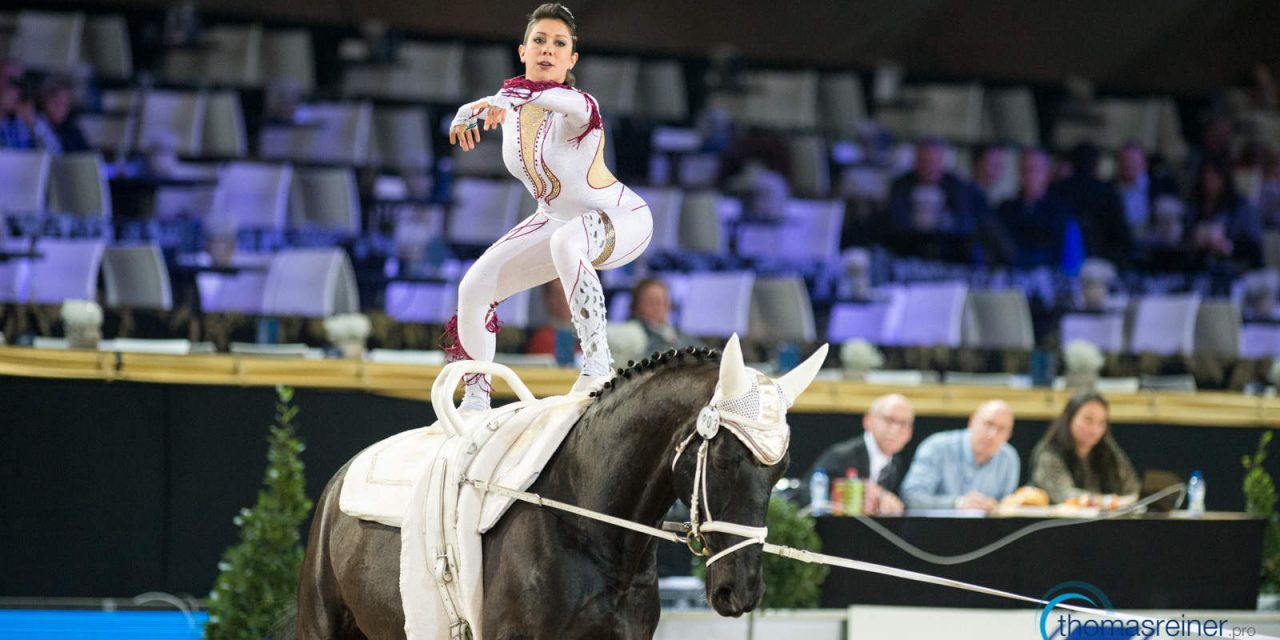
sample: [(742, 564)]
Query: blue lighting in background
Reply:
[(51, 624)]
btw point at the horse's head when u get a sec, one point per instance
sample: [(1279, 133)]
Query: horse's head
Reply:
[(727, 466)]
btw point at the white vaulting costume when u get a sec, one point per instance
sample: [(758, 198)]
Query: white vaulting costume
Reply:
[(553, 141)]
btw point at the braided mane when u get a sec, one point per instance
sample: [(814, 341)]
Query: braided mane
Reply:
[(657, 361)]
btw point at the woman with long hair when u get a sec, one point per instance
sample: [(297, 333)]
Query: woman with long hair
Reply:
[(553, 142), (1078, 454)]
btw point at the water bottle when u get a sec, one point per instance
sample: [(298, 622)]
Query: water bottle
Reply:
[(819, 484), (1195, 494)]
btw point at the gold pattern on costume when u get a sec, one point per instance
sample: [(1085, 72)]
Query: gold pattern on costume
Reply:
[(610, 236), (555, 182), (532, 117), (598, 176)]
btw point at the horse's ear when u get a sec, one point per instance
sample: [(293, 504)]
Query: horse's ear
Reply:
[(797, 380), (734, 379)]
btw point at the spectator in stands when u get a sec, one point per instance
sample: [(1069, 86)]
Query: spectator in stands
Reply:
[(1096, 206), (931, 210), (21, 127), (1224, 230), (757, 169), (988, 174), (972, 468), (1034, 224), (56, 108), (649, 328), (1139, 189), (876, 454), (586, 219), (1078, 457), (1219, 132), (556, 337), (762, 188)]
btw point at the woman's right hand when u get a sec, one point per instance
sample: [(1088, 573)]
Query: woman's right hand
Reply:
[(467, 135)]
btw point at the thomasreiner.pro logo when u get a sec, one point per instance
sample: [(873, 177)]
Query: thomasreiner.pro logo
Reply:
[(1106, 623)]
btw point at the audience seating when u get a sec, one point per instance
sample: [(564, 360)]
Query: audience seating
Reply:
[(781, 311), (716, 304), (136, 278), (66, 270), (998, 320), (1165, 324), (312, 283), (24, 187)]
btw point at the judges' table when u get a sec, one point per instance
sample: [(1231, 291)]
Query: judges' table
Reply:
[(1141, 562)]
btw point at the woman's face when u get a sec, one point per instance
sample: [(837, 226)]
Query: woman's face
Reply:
[(652, 304), (548, 53), (1089, 425)]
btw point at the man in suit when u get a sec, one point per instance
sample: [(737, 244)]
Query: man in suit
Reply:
[(875, 455)]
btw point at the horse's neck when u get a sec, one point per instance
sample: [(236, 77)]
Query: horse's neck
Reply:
[(619, 461)]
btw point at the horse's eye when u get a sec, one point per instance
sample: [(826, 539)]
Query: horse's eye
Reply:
[(722, 462)]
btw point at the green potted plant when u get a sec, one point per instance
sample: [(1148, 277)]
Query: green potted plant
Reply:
[(259, 575), (1260, 501)]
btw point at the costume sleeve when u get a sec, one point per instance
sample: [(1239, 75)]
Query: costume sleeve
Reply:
[(467, 114), (920, 490), (1050, 472), (577, 106)]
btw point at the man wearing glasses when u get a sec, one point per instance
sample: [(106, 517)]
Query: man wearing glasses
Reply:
[(874, 455), (970, 468)]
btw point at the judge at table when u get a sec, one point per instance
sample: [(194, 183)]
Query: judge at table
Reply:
[(971, 468), (876, 454)]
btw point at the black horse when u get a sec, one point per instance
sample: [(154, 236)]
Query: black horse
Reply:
[(550, 574)]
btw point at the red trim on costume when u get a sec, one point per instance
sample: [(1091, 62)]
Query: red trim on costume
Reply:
[(478, 379), (454, 351), (528, 227), (522, 88), (491, 322)]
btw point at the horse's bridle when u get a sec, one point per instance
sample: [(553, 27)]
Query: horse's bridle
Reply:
[(710, 419)]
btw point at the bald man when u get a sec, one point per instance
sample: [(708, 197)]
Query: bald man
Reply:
[(886, 429), (971, 468)]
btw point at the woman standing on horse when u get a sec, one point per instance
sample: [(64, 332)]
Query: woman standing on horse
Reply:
[(553, 142)]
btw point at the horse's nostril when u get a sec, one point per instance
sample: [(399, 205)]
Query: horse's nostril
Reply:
[(723, 596)]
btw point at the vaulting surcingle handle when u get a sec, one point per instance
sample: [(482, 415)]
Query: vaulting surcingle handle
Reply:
[(447, 382)]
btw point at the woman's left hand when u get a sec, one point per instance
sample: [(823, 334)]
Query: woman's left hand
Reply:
[(494, 116)]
